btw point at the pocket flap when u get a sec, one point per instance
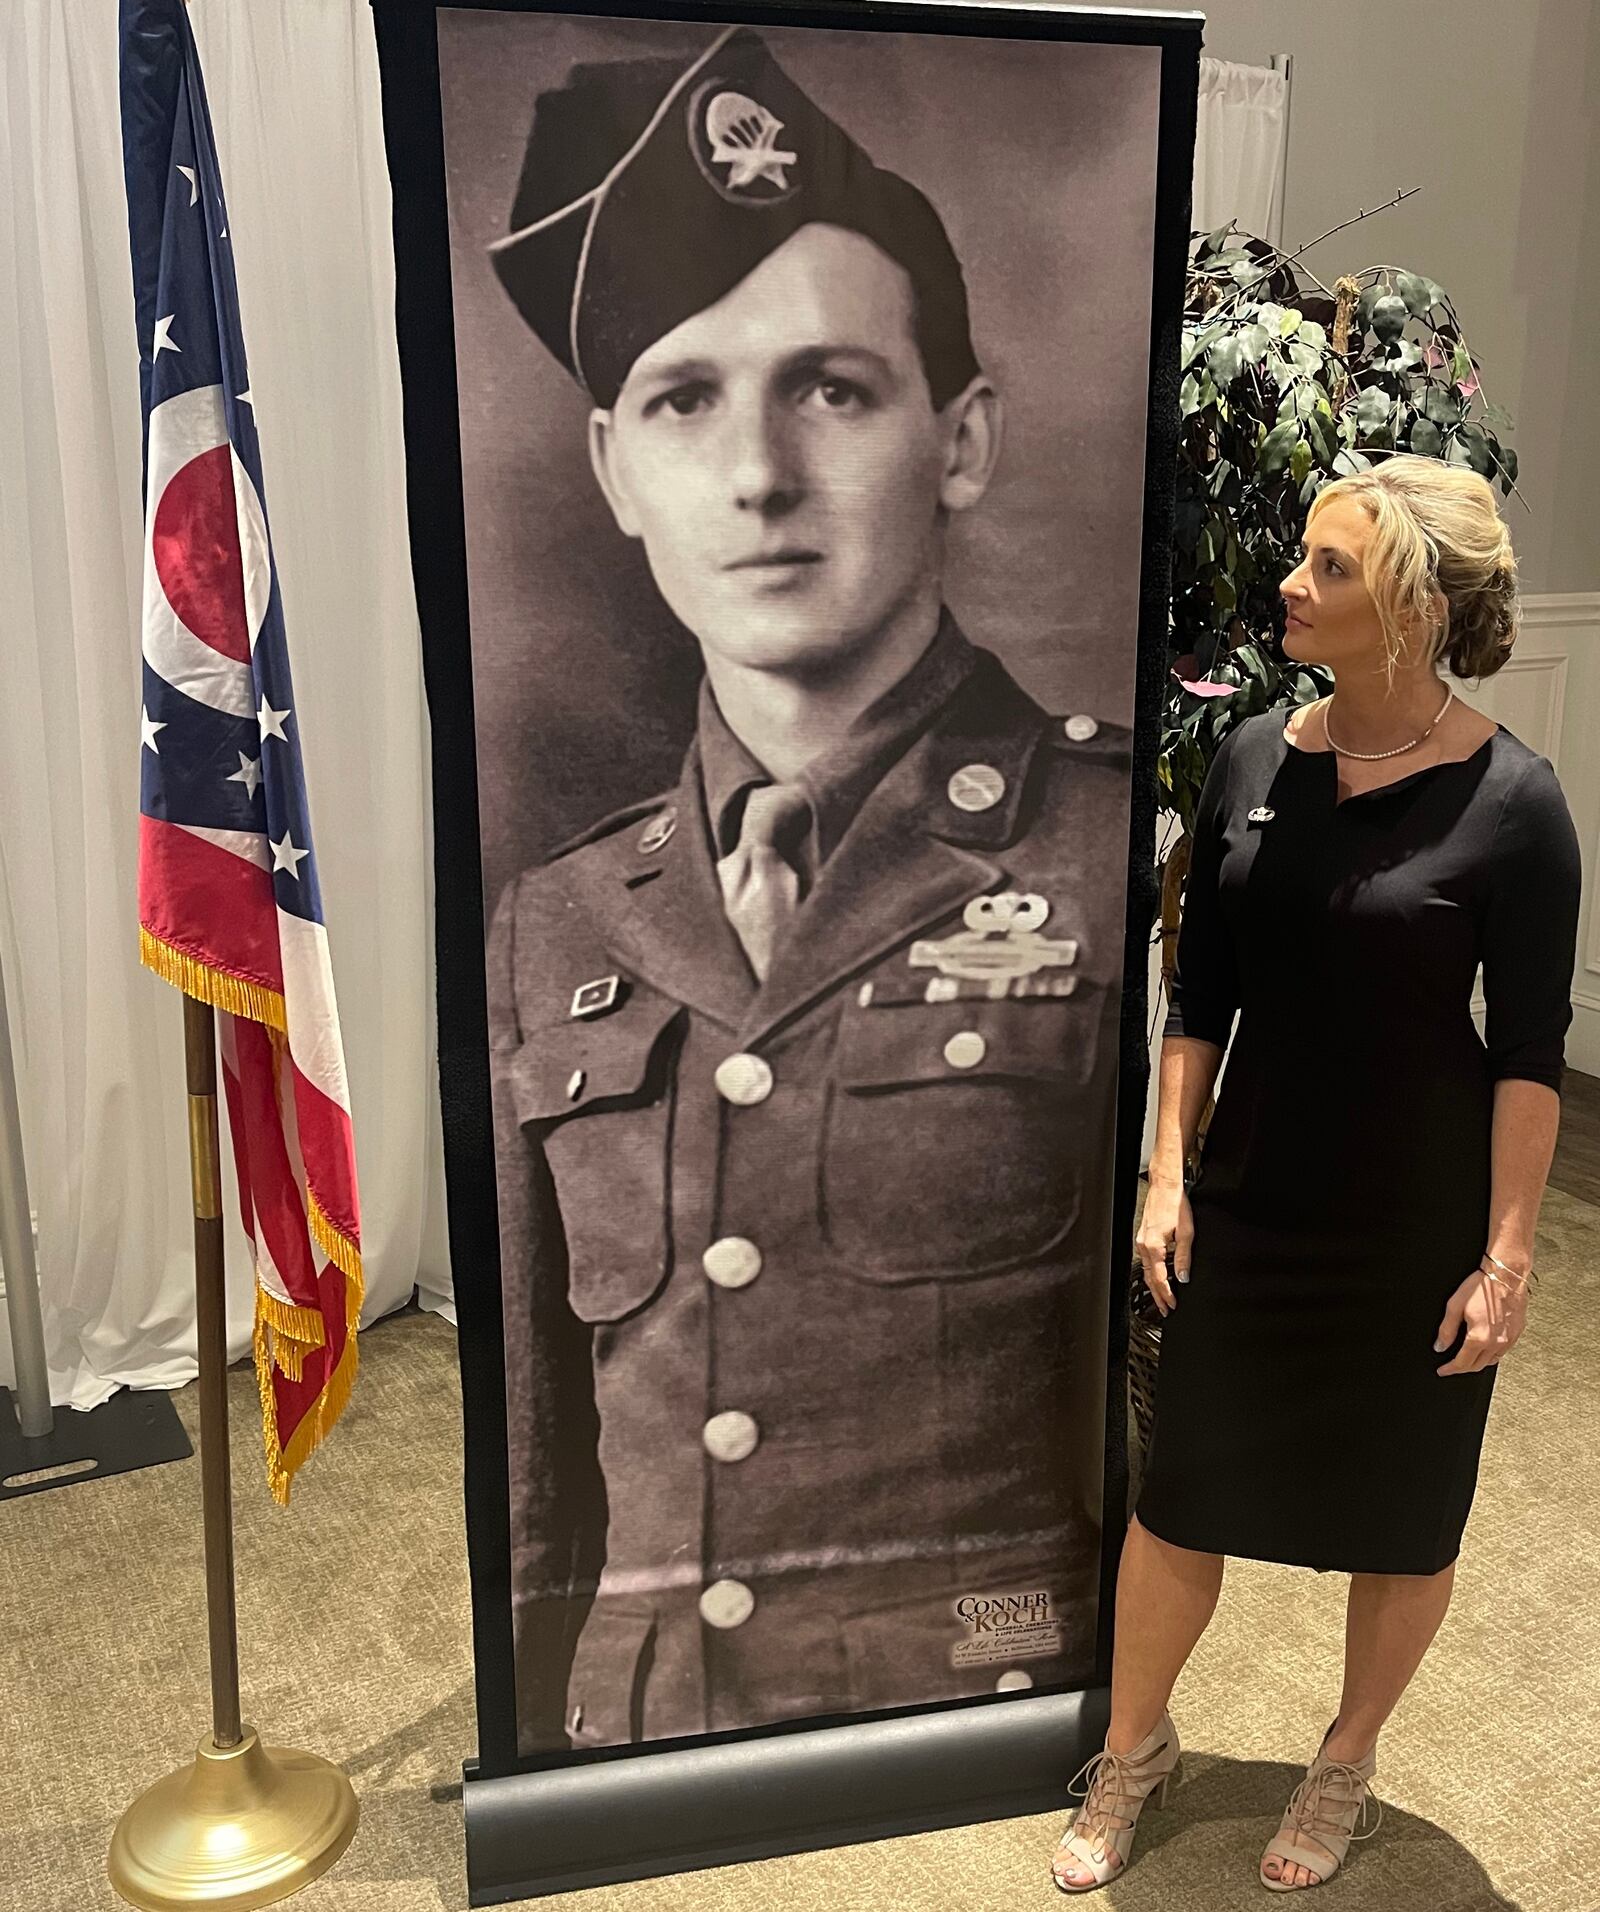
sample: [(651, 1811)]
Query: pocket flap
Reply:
[(569, 1067), (1033, 1037)]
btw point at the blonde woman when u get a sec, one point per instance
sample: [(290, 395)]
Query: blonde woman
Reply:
[(1358, 1253)]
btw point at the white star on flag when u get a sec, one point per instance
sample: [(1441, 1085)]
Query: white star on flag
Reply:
[(286, 857), (147, 730), (248, 773), (164, 341), (245, 398), (271, 721), (194, 190)]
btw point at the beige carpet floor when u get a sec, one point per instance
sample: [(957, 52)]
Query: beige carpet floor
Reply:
[(354, 1636)]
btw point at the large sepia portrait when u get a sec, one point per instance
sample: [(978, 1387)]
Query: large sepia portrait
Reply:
[(804, 383)]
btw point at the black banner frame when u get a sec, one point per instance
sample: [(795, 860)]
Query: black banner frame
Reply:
[(555, 1822)]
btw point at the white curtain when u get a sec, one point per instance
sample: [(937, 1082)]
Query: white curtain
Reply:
[(1240, 136), (293, 87)]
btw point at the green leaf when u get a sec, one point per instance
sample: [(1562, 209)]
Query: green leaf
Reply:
[(1460, 364), (1436, 292), (1270, 314), (1215, 241), (1389, 317), (1426, 440), (1275, 448), (1204, 550), (1441, 405), (1404, 355), (1195, 343), (1479, 453), (1253, 343), (1347, 463), (1414, 290), (1324, 439), (1312, 334), (1300, 461), (1306, 357), (1373, 409), (1223, 593), (1457, 453), (1498, 419), (1226, 359), (1508, 458), (1368, 299), (1189, 395), (1289, 324)]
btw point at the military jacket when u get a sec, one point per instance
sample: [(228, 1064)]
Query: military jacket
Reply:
[(806, 1281)]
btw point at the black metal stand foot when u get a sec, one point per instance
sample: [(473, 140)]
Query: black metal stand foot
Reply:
[(133, 1429)]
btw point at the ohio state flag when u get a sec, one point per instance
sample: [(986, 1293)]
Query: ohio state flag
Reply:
[(230, 908)]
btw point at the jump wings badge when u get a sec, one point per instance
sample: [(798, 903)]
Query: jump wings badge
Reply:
[(742, 135), (1000, 949)]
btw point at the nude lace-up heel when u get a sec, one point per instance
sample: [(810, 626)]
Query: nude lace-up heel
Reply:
[(1328, 1805), (1116, 1787)]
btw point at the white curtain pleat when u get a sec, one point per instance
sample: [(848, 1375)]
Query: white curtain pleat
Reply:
[(1240, 134), (293, 88)]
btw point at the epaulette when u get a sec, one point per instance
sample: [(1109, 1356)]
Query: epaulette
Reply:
[(610, 825)]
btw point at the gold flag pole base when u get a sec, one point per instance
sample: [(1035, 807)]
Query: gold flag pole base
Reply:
[(243, 1826)]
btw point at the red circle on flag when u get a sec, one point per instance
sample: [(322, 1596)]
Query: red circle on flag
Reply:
[(195, 543)]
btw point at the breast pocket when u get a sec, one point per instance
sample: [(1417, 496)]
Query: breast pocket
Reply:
[(598, 1096), (956, 1133)]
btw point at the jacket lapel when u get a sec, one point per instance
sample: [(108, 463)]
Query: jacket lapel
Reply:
[(660, 910)]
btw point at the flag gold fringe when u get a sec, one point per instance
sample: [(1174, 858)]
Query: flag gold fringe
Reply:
[(290, 1320), (283, 1462), (335, 1244), (301, 1329), (215, 986)]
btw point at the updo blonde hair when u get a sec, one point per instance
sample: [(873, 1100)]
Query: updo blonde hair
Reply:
[(1436, 534)]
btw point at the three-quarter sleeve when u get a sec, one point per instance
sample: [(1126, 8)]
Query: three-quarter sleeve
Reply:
[(1203, 994), (1530, 933)]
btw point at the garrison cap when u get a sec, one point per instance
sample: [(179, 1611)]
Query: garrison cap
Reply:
[(651, 187)]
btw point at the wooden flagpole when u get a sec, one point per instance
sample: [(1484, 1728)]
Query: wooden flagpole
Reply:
[(245, 1824)]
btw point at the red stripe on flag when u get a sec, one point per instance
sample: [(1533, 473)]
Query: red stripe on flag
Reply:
[(328, 1149), (294, 1400), (280, 1211), (184, 882)]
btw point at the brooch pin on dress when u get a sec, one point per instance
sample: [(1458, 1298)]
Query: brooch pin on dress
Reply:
[(1262, 813)]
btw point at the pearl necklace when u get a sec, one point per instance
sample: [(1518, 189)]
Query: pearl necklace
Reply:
[(1372, 756)]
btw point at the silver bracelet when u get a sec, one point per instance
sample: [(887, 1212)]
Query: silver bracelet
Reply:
[(1523, 1283)]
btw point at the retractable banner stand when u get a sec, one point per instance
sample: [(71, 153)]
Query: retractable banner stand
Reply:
[(791, 396)]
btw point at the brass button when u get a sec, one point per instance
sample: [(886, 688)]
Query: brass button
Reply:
[(732, 1262), (1013, 1680), (1080, 729), (727, 1603), (976, 786), (743, 1079), (730, 1436), (965, 1050)]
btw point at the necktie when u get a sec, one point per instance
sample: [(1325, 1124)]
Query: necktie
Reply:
[(761, 888)]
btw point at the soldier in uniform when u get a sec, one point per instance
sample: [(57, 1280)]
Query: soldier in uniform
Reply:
[(804, 1069)]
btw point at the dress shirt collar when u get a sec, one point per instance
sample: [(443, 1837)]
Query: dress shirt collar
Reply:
[(839, 780)]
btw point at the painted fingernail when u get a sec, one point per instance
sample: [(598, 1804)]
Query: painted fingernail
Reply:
[(1183, 1277)]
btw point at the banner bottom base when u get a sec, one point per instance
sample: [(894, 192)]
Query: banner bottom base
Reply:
[(635, 1813)]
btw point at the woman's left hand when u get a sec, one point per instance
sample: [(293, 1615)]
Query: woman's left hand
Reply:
[(1495, 1316)]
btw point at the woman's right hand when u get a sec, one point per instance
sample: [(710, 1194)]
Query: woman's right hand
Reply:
[(1164, 1238)]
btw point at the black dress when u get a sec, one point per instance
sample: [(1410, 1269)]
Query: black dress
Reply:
[(1343, 1190)]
